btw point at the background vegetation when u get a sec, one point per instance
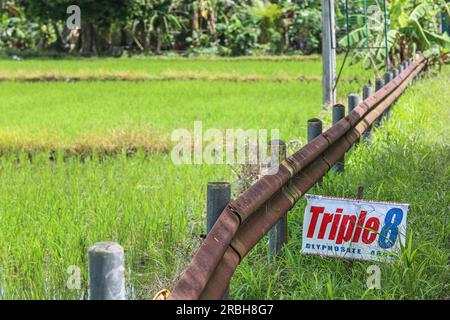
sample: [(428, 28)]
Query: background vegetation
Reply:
[(216, 27)]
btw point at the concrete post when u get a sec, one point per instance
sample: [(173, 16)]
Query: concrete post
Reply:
[(337, 114), (387, 78), (367, 92), (314, 129), (378, 85), (278, 235), (218, 194), (106, 271), (353, 101), (394, 73)]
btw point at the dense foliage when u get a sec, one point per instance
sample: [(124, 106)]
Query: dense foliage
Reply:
[(224, 27), (412, 26), (194, 26)]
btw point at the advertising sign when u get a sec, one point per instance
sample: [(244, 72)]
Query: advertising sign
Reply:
[(353, 229)]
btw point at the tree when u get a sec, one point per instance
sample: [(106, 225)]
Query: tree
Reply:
[(95, 15)]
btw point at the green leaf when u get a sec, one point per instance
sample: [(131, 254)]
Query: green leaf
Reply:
[(353, 38)]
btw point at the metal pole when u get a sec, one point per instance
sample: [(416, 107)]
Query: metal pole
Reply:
[(218, 194), (106, 271), (367, 92), (278, 235), (337, 114), (328, 54)]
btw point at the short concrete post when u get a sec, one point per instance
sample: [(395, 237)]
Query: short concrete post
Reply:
[(338, 113), (314, 129), (353, 101), (394, 73), (106, 271), (218, 194), (278, 235), (378, 85), (387, 78), (367, 92), (400, 68)]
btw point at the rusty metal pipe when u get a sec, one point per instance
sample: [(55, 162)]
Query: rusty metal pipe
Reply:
[(253, 229), (203, 265)]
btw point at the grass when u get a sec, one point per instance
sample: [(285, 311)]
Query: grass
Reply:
[(52, 211), (82, 116)]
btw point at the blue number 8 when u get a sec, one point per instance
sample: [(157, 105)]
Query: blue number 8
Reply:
[(393, 218)]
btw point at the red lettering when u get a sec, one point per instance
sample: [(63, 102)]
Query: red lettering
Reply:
[(370, 230), (315, 214), (346, 229), (360, 225), (327, 217), (334, 226)]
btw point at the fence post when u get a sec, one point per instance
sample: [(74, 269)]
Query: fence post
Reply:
[(106, 271), (314, 129), (367, 92), (218, 194), (378, 86), (387, 78), (353, 100), (400, 68), (394, 73), (278, 234), (338, 113)]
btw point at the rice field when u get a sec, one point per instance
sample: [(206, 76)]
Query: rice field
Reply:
[(233, 69), (68, 180)]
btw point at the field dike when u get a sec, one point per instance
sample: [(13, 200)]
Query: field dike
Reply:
[(170, 75), (118, 141)]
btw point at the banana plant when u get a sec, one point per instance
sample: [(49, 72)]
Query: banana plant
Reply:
[(412, 26)]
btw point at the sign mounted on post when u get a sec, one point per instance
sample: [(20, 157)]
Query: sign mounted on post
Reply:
[(353, 229)]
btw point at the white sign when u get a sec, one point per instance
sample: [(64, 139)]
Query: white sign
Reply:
[(353, 229)]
